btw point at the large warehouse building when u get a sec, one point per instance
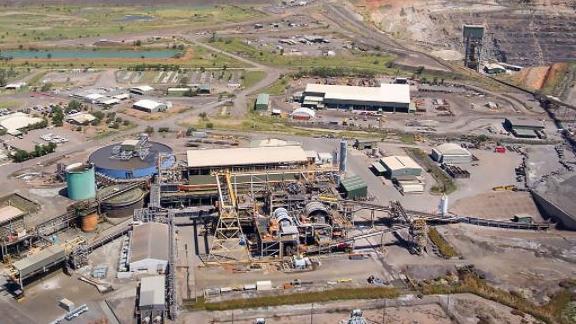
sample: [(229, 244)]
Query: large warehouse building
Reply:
[(398, 166), (245, 158), (523, 128), (149, 248), (387, 97), (451, 153)]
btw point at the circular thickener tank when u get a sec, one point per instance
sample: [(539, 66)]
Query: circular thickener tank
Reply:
[(80, 181), (89, 222), (123, 204), (110, 162)]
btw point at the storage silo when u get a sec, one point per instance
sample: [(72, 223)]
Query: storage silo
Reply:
[(81, 181), (343, 156)]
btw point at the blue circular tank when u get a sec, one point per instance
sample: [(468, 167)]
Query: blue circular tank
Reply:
[(110, 162)]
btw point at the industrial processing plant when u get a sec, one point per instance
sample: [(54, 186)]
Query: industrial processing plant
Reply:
[(266, 162)]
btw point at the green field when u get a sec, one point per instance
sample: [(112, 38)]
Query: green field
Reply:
[(359, 61), (21, 25), (250, 78)]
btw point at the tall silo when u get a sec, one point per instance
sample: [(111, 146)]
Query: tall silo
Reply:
[(81, 181), (343, 156)]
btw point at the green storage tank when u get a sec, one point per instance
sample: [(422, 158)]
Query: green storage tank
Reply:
[(81, 181)]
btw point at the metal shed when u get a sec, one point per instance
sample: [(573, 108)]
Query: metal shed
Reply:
[(39, 262), (354, 187), (262, 102)]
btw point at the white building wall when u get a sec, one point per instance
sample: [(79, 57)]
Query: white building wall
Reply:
[(148, 265)]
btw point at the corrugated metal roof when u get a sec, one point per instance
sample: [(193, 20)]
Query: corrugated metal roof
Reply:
[(9, 212), (353, 183), (523, 122), (379, 167), (399, 162), (148, 104), (152, 291), (149, 241), (245, 156), (39, 260), (451, 149), (263, 99), (386, 93)]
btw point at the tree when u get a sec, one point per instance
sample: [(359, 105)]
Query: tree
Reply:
[(46, 87), (203, 115), (149, 130), (74, 105), (20, 156), (57, 116), (209, 125), (138, 43)]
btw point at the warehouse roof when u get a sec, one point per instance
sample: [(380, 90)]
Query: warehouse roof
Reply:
[(304, 111), (353, 183), (379, 167), (149, 241), (399, 162), (523, 122), (81, 118), (399, 93), (143, 88), (147, 104), (523, 132), (13, 122), (452, 149), (152, 291), (8, 213), (40, 259), (94, 96), (245, 156), (263, 99)]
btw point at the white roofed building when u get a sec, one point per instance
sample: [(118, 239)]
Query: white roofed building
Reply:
[(15, 86), (397, 166), (149, 106), (149, 248), (303, 113), (13, 123), (93, 97), (81, 118), (387, 97), (245, 158), (141, 90), (451, 153)]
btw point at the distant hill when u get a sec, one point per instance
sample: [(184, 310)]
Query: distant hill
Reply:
[(132, 2)]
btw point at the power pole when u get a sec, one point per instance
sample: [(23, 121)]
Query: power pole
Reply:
[(312, 313)]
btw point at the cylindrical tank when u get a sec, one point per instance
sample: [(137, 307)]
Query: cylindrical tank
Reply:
[(343, 156), (121, 205), (444, 205), (89, 222), (81, 181)]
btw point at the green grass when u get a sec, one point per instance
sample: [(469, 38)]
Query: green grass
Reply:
[(444, 184), (252, 77), (12, 103), (53, 22), (298, 298), (278, 87), (360, 61)]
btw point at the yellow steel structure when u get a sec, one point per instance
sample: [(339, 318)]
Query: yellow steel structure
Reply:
[(226, 245)]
